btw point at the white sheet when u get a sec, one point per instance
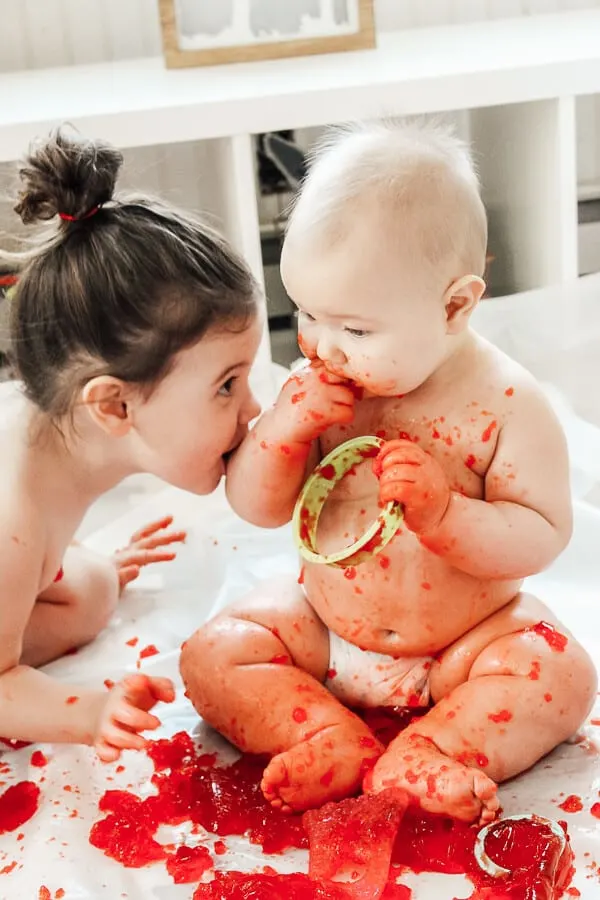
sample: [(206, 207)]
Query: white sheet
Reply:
[(225, 557)]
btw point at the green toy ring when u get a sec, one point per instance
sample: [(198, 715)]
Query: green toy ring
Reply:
[(332, 469)]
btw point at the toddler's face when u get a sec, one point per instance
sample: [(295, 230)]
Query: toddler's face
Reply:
[(368, 316)]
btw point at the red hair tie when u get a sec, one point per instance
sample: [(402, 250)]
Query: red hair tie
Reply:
[(67, 218)]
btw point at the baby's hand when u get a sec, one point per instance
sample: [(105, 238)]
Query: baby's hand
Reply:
[(311, 401), (144, 548), (125, 712), (415, 479)]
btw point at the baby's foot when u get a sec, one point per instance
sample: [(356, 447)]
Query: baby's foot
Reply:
[(328, 766), (441, 784)]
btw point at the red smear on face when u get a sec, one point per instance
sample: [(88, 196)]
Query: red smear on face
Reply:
[(280, 660), (572, 804), (470, 461), (38, 759), (285, 449), (350, 573), (150, 650), (299, 715), (487, 433), (425, 585), (18, 804), (71, 700), (297, 398), (553, 638), (356, 389), (369, 452), (548, 698), (384, 561), (189, 864), (503, 716), (132, 642)]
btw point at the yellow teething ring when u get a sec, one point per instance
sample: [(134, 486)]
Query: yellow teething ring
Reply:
[(332, 469), (488, 865)]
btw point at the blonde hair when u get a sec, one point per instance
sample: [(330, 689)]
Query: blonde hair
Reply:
[(418, 177)]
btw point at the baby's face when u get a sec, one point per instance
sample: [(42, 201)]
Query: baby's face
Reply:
[(368, 316)]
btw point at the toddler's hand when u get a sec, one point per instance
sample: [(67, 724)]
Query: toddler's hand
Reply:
[(125, 712), (415, 479), (144, 548), (311, 401)]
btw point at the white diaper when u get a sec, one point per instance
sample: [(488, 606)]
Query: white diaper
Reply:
[(362, 678)]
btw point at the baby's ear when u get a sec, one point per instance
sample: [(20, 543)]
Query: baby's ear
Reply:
[(106, 400), (460, 300)]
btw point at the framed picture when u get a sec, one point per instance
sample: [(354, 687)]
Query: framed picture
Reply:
[(212, 32)]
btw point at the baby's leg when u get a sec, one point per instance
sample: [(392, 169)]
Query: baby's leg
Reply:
[(74, 610), (255, 673), (507, 693)]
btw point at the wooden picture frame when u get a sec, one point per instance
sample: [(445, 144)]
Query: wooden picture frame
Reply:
[(176, 57)]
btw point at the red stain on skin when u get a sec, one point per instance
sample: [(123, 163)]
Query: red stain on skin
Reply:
[(109, 684), (297, 398), (571, 804), (553, 638), (425, 585), (487, 433), (384, 561), (331, 673), (132, 642), (381, 434), (470, 461), (534, 674), (503, 716), (150, 650), (327, 778), (18, 804), (548, 698), (299, 715), (38, 759), (264, 445), (350, 573), (71, 700), (280, 660), (509, 391), (283, 448)]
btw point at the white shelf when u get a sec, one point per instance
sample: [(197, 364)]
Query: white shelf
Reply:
[(139, 102)]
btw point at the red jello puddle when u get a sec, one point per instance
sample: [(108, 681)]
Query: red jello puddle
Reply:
[(18, 804), (228, 801)]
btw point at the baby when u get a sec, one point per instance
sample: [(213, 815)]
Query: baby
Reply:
[(383, 257)]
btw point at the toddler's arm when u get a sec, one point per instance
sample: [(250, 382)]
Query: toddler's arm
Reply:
[(525, 520), (267, 471), (35, 707)]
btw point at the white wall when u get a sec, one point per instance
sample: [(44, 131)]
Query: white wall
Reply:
[(40, 33)]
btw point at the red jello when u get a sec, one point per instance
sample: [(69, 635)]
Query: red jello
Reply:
[(189, 864), (352, 841), (17, 805), (239, 886)]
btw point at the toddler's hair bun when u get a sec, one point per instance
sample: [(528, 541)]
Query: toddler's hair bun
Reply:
[(67, 174)]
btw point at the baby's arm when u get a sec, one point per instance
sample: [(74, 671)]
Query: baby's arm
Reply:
[(525, 520), (266, 473)]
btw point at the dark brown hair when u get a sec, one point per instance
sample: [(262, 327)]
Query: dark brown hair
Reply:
[(120, 286)]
